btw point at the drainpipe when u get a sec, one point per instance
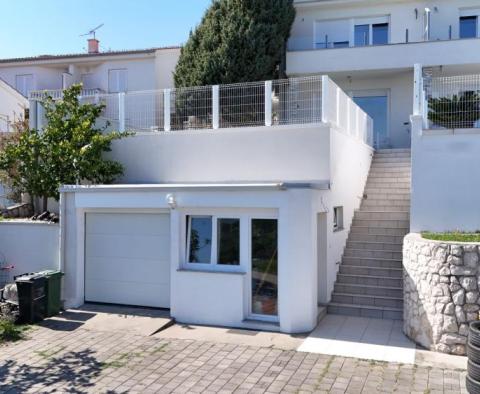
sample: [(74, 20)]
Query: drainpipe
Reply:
[(426, 22)]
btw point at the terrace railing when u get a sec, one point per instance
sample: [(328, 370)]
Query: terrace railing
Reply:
[(452, 102), (291, 101)]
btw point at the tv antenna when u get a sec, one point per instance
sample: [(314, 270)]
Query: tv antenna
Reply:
[(92, 31)]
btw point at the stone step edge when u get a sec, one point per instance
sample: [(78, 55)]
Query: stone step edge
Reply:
[(366, 276), (369, 211), (371, 286), (407, 229), (358, 306), (372, 268), (377, 243), (373, 258), (368, 296)]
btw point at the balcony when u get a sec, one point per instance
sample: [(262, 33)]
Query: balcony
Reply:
[(316, 59), (280, 130), (58, 93)]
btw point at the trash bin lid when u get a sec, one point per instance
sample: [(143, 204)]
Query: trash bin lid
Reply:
[(50, 272), (28, 277)]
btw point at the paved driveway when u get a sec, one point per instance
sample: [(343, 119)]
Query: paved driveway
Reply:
[(62, 357)]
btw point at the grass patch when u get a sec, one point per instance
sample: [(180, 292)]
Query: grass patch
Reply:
[(10, 332), (453, 236), (49, 353)]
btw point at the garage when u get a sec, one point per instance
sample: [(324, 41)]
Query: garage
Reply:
[(127, 258)]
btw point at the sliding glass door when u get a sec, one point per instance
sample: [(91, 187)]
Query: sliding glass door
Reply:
[(264, 272)]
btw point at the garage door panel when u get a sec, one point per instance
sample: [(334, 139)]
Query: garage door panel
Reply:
[(128, 223), (132, 270), (127, 258), (124, 246), (122, 293)]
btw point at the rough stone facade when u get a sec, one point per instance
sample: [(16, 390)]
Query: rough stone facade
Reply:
[(441, 292)]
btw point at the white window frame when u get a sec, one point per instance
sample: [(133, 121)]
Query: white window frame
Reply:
[(370, 21), (338, 218), (119, 71), (213, 264), (469, 13)]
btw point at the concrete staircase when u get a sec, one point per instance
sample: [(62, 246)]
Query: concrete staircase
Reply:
[(369, 281)]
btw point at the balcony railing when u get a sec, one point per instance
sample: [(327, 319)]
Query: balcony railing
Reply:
[(293, 101), (58, 93), (451, 102)]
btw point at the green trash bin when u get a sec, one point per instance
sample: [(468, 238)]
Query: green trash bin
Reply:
[(53, 291), (31, 297)]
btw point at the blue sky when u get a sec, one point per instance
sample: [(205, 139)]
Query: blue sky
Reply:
[(37, 27)]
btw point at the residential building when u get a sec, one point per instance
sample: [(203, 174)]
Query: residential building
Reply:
[(251, 205), (13, 106), (370, 47)]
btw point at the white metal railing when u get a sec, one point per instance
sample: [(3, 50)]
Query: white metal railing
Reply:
[(291, 101), (451, 102)]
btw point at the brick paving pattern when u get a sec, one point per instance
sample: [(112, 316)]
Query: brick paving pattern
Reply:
[(81, 361)]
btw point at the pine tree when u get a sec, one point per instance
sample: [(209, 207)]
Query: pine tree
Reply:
[(236, 41)]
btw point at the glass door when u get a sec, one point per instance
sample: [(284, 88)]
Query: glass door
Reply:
[(264, 272), (376, 106)]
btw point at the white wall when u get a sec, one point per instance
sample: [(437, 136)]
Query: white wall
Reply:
[(165, 63), (399, 87), (445, 174), (12, 105), (350, 164), (29, 246), (402, 16), (280, 153)]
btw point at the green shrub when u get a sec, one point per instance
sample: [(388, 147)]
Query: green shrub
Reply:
[(9, 331), (455, 236)]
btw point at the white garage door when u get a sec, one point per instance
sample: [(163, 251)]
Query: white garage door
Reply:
[(127, 258)]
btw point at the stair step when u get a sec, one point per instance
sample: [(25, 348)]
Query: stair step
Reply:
[(360, 299), (375, 245), (362, 229), (385, 208), (395, 171), (381, 215), (393, 154), (373, 254), (372, 262), (369, 280), (365, 311), (383, 223), (396, 292), (382, 202), (369, 190), (393, 150), (376, 165), (390, 159), (387, 196), (389, 179), (390, 239), (371, 271), (384, 185)]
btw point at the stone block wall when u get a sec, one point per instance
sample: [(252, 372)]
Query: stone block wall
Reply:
[(441, 292)]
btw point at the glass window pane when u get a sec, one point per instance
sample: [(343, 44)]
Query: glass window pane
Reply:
[(200, 248), (380, 34), (264, 267), (468, 27), (361, 35), (228, 241), (377, 108)]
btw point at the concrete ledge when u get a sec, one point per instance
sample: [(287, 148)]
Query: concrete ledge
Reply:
[(441, 292)]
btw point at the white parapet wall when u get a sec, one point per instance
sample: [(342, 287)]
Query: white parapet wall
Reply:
[(29, 246), (445, 174)]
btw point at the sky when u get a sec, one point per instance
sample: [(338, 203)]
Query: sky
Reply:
[(40, 27)]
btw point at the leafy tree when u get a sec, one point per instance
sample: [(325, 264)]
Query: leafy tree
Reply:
[(236, 41), (69, 150), (460, 111)]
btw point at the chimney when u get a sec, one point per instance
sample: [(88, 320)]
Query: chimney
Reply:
[(93, 45)]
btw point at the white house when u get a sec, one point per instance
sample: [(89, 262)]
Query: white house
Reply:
[(251, 205), (370, 47)]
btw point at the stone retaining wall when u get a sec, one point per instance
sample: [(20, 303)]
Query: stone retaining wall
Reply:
[(441, 292)]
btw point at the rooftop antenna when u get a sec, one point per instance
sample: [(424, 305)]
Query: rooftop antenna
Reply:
[(92, 31)]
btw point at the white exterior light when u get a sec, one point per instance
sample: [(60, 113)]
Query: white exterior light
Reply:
[(171, 201)]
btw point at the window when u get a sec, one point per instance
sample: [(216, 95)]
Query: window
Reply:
[(24, 83), (117, 80), (337, 218), (204, 248), (87, 81), (372, 31), (228, 241), (380, 34), (362, 34), (468, 26)]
